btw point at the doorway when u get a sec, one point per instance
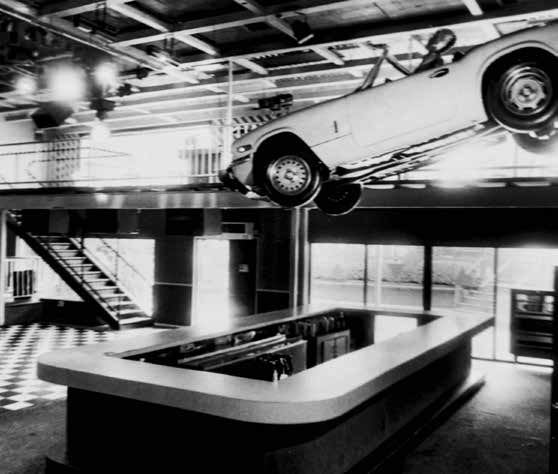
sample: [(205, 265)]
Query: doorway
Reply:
[(224, 280)]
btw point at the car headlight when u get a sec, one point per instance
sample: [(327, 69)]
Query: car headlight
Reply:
[(243, 148)]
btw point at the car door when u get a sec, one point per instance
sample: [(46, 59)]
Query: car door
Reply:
[(405, 112)]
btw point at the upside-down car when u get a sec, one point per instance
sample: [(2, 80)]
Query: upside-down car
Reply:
[(325, 152)]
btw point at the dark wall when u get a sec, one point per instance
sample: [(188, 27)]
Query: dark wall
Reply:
[(459, 227), (273, 227), (172, 290), (266, 288)]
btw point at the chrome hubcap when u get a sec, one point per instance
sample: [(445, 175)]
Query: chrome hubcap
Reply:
[(289, 175), (526, 90)]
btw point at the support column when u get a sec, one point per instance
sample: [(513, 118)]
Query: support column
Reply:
[(295, 254), (3, 264), (228, 128), (427, 279), (300, 258)]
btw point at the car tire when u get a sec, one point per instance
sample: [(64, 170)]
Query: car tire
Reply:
[(292, 179), (521, 92), (338, 199), (538, 145)]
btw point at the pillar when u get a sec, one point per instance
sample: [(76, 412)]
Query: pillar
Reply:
[(3, 265)]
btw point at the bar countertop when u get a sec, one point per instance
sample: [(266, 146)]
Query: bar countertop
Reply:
[(317, 394)]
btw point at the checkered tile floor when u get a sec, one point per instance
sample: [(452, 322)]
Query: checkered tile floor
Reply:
[(20, 346)]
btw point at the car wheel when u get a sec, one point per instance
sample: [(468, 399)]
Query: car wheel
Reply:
[(539, 145), (522, 93), (292, 179), (337, 200)]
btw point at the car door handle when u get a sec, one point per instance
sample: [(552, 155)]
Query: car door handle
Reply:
[(439, 73)]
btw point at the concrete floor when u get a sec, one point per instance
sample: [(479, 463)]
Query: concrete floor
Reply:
[(502, 429)]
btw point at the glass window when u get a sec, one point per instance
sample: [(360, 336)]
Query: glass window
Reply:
[(337, 273), (463, 281), (395, 274), (386, 327)]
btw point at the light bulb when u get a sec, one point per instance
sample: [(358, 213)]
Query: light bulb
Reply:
[(106, 75), (26, 85), (67, 83)]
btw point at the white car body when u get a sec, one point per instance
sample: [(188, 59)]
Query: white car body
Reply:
[(394, 115)]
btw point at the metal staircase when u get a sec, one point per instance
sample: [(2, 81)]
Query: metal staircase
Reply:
[(82, 272)]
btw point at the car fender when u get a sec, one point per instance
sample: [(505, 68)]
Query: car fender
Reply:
[(492, 58), (271, 133)]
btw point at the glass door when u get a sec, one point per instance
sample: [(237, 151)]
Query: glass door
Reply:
[(211, 282)]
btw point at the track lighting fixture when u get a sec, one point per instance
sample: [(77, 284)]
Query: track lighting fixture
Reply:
[(302, 31)]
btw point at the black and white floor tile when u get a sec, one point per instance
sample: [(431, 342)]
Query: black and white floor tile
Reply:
[(20, 347)]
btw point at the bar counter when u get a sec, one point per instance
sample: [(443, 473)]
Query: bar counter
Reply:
[(328, 409)]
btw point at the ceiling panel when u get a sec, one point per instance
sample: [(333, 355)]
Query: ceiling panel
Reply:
[(175, 11)]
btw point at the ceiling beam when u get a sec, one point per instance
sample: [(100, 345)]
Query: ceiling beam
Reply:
[(381, 33), (330, 55), (64, 28), (473, 7), (72, 7), (235, 20), (166, 28), (252, 66)]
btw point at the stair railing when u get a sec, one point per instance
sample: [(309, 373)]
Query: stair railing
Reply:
[(116, 274), (74, 271)]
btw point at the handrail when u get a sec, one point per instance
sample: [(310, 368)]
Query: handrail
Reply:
[(113, 275), (80, 276), (122, 259)]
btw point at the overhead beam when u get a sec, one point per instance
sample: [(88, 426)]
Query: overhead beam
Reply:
[(252, 66), (382, 33), (64, 28), (234, 20), (330, 55), (166, 28), (138, 15), (65, 8), (473, 7)]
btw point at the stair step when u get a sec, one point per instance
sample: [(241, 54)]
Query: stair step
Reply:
[(113, 296), (100, 280), (102, 285), (129, 311), (120, 303), (136, 321), (112, 288)]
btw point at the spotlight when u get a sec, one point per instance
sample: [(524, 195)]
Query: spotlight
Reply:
[(302, 31), (67, 83), (99, 131), (106, 75), (126, 89), (142, 73), (277, 102), (26, 85), (102, 106)]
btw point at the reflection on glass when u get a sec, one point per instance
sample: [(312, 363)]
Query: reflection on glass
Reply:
[(399, 271), (463, 281), (337, 273), (386, 327)]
